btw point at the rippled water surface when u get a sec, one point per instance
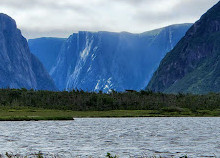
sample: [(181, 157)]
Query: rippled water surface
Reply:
[(83, 137)]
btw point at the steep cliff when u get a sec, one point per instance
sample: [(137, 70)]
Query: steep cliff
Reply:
[(46, 49), (18, 67), (194, 63), (96, 61)]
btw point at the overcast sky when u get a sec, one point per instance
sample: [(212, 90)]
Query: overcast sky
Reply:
[(60, 18)]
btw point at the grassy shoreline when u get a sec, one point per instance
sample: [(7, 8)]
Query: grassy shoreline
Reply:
[(36, 114)]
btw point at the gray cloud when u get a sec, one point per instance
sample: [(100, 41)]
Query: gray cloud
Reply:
[(38, 18), (181, 12), (133, 2)]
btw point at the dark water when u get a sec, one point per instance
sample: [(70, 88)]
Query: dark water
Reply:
[(196, 137)]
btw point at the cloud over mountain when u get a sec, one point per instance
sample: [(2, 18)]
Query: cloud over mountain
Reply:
[(61, 18)]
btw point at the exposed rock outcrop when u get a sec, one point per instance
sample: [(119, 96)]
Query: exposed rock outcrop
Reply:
[(94, 61), (193, 66), (18, 67)]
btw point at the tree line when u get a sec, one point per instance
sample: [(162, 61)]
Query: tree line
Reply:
[(80, 100)]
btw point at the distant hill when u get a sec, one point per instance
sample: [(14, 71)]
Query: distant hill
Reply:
[(46, 49), (194, 64), (18, 67), (94, 61)]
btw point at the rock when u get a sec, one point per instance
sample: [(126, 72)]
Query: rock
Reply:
[(18, 67), (193, 66), (94, 61)]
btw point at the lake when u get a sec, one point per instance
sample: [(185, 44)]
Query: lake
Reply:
[(84, 137)]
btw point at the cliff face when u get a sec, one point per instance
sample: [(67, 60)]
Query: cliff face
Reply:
[(194, 63), (18, 67), (96, 61), (46, 49)]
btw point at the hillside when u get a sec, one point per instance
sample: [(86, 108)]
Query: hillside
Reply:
[(193, 66)]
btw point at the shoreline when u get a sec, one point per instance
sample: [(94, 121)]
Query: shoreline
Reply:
[(36, 114)]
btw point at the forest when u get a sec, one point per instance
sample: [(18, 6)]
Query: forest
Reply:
[(78, 100)]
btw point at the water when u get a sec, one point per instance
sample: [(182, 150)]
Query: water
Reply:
[(196, 137)]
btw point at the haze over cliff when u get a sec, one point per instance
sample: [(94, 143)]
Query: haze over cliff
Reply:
[(96, 61), (46, 49)]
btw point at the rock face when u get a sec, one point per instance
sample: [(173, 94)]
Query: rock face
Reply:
[(94, 61), (194, 63), (18, 67), (46, 49)]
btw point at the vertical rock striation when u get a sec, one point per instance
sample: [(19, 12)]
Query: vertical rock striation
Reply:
[(18, 67), (94, 61)]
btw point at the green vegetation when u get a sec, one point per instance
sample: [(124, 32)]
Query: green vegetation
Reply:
[(22, 104), (110, 156), (29, 114), (194, 63), (34, 155), (41, 155)]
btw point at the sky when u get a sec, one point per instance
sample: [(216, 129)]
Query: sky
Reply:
[(61, 18)]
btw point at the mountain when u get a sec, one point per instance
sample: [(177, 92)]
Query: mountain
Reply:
[(18, 67), (46, 49), (193, 66), (94, 61)]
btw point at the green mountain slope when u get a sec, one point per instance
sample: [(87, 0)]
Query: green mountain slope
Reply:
[(194, 64)]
